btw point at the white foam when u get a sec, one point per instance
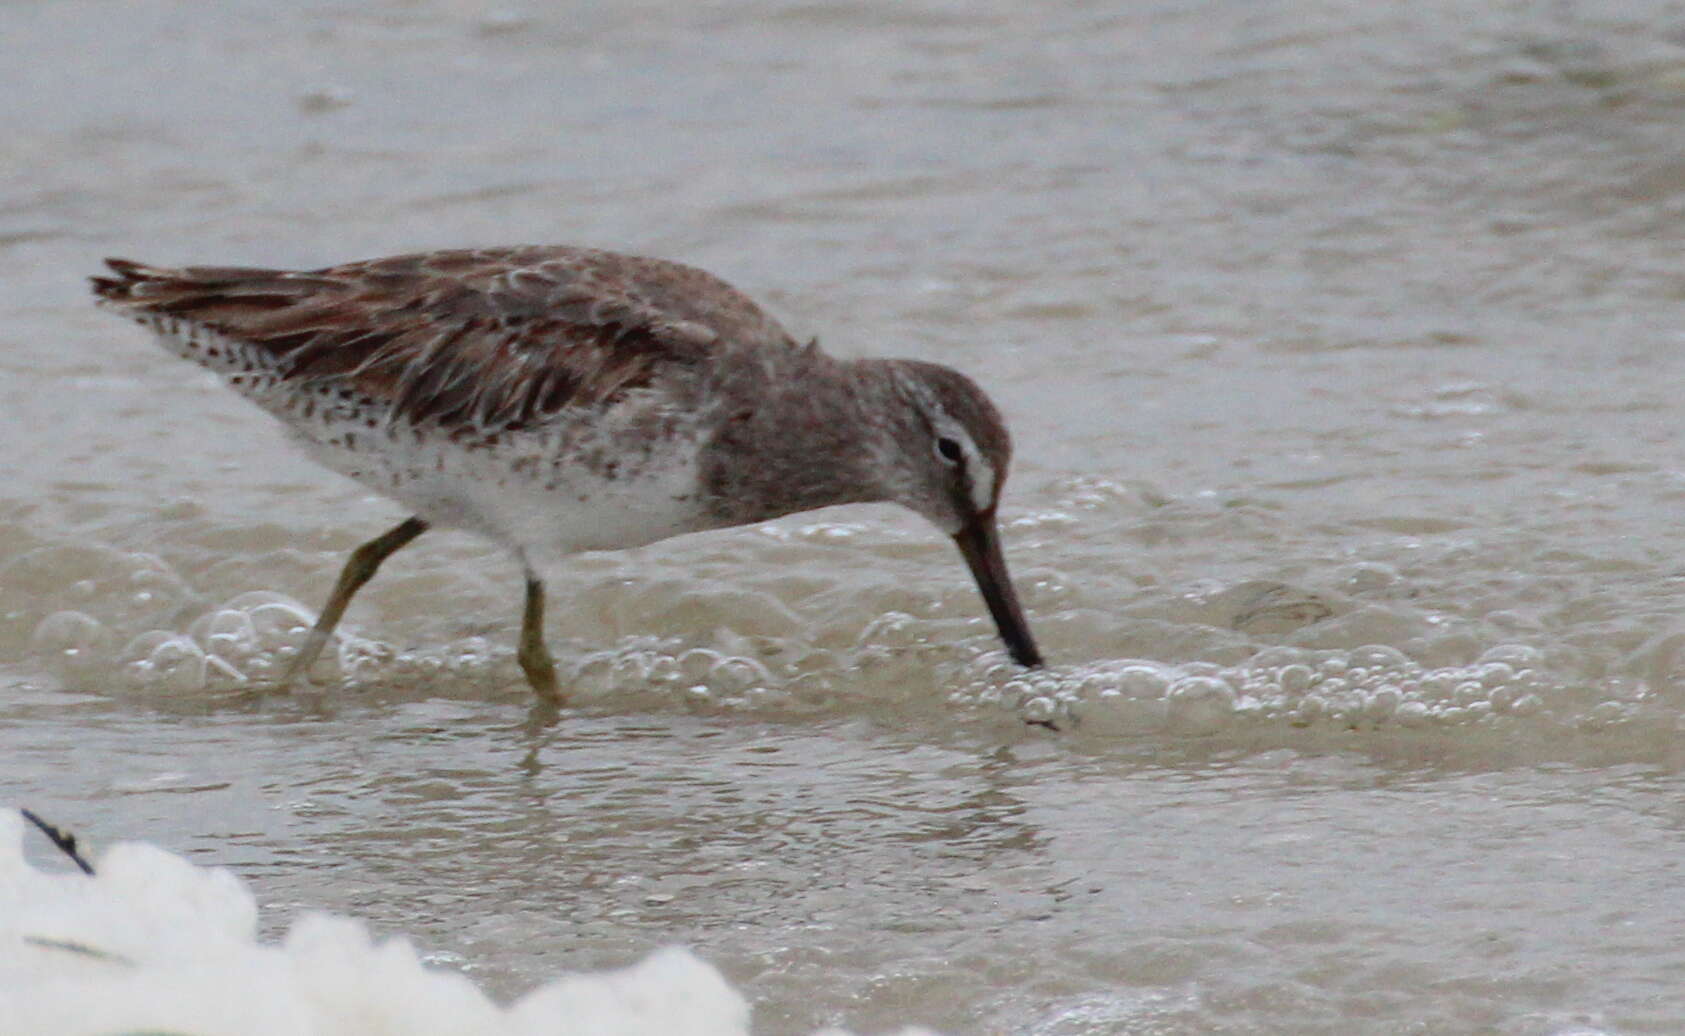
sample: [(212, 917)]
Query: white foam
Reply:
[(1371, 686), (154, 944)]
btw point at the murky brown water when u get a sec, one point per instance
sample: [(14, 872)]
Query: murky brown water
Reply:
[(1342, 345)]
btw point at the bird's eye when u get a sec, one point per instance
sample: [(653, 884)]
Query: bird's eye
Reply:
[(949, 450)]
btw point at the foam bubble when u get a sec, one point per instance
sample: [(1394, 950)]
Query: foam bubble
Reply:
[(1199, 704), (72, 642)]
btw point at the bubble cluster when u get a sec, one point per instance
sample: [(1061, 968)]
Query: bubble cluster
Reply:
[(1370, 686), (114, 587), (668, 669), (251, 640), (1184, 664), (247, 639)]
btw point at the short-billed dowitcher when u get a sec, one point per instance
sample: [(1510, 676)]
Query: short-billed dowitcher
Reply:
[(558, 399)]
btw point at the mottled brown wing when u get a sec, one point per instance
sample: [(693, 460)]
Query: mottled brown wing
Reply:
[(490, 338)]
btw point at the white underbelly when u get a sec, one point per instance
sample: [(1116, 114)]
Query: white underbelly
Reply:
[(530, 493)]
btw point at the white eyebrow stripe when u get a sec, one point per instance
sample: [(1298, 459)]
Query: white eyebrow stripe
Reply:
[(982, 493), (980, 478)]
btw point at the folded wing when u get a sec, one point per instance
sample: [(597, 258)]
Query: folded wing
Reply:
[(491, 339)]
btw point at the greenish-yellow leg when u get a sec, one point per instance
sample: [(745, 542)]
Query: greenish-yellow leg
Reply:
[(533, 655), (359, 568)]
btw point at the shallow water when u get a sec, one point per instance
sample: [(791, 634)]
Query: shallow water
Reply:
[(1340, 342)]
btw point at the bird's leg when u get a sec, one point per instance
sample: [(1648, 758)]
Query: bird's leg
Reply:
[(359, 568), (533, 655)]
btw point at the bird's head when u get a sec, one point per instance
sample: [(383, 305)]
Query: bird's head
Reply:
[(950, 453)]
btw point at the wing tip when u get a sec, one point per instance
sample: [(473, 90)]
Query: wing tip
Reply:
[(129, 275)]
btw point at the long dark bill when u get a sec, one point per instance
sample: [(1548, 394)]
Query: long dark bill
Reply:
[(980, 544)]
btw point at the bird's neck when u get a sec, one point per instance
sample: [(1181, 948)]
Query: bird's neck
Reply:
[(812, 436)]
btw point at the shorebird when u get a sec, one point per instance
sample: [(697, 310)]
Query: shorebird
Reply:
[(556, 399)]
